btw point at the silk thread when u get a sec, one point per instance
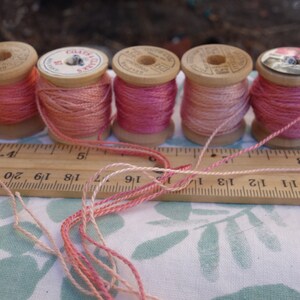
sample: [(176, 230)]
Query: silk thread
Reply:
[(97, 286), (144, 110), (275, 105), (17, 100), (77, 112), (205, 108), (83, 260)]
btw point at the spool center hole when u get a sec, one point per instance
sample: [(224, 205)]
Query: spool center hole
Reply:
[(74, 60), (4, 55), (146, 60), (216, 59)]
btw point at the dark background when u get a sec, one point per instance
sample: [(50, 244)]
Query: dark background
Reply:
[(178, 25)]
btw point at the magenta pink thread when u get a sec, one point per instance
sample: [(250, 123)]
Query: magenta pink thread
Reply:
[(275, 105), (144, 110), (83, 262), (98, 287)]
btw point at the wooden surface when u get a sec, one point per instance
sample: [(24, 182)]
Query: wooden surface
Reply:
[(59, 67), (146, 65), (219, 140), (58, 170), (259, 133), (16, 61), (149, 139), (103, 136), (216, 65), (22, 129)]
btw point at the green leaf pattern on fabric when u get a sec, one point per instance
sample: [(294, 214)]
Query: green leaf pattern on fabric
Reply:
[(209, 253), (70, 292), (177, 211), (6, 208), (264, 234), (239, 245), (263, 292), (15, 242), (158, 246), (210, 212), (272, 213), (22, 287), (175, 215), (183, 215), (107, 224), (58, 210)]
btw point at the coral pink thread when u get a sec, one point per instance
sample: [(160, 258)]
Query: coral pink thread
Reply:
[(83, 262), (80, 262), (275, 105), (116, 203), (76, 112), (98, 287), (17, 100), (144, 110), (205, 108)]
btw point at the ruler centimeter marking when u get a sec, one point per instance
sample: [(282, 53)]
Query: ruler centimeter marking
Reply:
[(57, 170)]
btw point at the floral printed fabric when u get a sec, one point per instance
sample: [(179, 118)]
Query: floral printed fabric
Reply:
[(182, 250)]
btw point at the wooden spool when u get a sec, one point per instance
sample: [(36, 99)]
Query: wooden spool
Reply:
[(216, 66), (145, 66), (74, 67), (17, 60), (271, 67)]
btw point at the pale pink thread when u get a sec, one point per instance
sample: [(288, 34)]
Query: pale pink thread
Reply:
[(17, 100), (80, 262), (144, 110), (206, 108), (103, 211), (55, 250), (76, 112), (275, 105), (147, 195), (150, 191)]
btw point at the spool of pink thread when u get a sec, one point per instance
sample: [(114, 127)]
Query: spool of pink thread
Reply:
[(74, 93), (145, 91), (275, 96), (216, 92), (19, 115)]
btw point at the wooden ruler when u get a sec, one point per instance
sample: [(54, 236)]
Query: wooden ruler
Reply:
[(57, 170)]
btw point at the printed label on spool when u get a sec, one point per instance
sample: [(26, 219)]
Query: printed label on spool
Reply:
[(13, 56), (71, 61), (283, 60), (146, 65), (148, 61), (216, 60), (216, 65)]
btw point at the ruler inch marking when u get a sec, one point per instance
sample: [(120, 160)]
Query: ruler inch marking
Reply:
[(54, 161)]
